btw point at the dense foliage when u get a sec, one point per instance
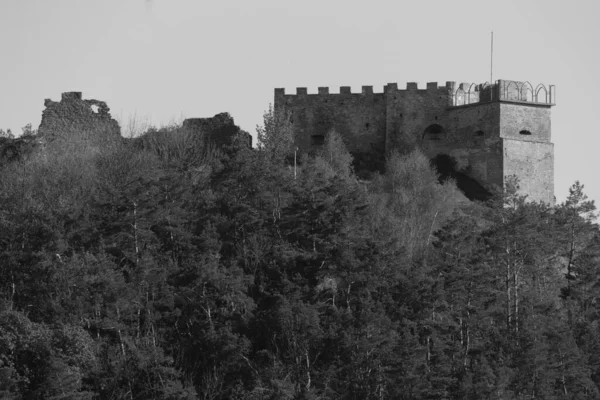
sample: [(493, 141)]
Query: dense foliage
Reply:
[(162, 268)]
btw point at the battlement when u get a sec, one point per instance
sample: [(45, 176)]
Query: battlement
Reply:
[(324, 90), (368, 90), (462, 93)]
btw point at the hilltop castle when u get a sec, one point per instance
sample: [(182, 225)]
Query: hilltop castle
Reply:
[(492, 131)]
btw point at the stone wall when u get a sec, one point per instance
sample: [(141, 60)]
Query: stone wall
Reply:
[(473, 139), (361, 116), (74, 116), (220, 129), (517, 119), (409, 113), (533, 164)]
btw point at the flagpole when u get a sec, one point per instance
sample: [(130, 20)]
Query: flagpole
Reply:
[(492, 60)]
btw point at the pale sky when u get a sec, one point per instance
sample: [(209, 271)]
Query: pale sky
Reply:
[(165, 60)]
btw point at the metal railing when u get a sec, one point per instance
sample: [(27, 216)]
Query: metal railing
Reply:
[(506, 91)]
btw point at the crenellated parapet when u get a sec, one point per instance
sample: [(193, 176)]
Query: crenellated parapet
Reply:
[(325, 91), (368, 90), (457, 93), (461, 93)]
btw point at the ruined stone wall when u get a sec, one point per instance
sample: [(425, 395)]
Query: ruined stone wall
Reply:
[(220, 129), (74, 116)]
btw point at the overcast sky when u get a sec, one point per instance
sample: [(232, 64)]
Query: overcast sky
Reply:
[(165, 60)]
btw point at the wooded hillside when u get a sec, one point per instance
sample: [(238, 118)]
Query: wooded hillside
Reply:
[(163, 267)]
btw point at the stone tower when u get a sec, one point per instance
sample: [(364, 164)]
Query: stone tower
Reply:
[(491, 131)]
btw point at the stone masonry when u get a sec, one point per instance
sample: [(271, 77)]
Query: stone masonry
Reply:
[(492, 131), (220, 129), (74, 116)]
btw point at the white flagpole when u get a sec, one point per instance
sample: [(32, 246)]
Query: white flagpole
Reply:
[(492, 61)]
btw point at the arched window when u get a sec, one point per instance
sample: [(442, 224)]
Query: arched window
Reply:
[(526, 92), (434, 132), (541, 94), (479, 133), (525, 132), (511, 91), (472, 94), (459, 97)]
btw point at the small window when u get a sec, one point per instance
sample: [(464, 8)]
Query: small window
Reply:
[(525, 132), (317, 140), (367, 125), (479, 133)]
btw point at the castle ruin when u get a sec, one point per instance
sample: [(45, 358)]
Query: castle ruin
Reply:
[(75, 116), (220, 129), (90, 119), (492, 131)]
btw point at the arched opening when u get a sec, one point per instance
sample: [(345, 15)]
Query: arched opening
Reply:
[(526, 92), (472, 94), (512, 91), (485, 92), (479, 133), (459, 97), (541, 94), (434, 132), (525, 132)]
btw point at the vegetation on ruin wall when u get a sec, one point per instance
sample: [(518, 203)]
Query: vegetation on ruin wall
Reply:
[(158, 269)]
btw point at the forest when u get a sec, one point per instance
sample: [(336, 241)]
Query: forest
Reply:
[(164, 267)]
